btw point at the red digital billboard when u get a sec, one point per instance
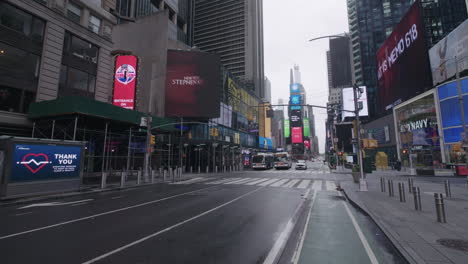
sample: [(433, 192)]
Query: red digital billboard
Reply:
[(125, 81), (296, 134), (193, 84), (403, 63)]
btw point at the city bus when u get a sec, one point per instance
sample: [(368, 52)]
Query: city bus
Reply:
[(262, 161), (282, 160)]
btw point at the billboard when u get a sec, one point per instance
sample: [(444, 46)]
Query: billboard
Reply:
[(403, 63), (451, 117), (348, 102), (45, 162), (295, 118), (295, 99), (295, 88), (287, 128), (265, 143), (296, 134), (192, 84), (125, 77), (442, 55), (306, 127)]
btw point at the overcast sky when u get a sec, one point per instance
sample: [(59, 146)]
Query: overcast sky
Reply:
[(288, 25)]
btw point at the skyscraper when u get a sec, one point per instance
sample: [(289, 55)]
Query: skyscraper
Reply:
[(234, 29)]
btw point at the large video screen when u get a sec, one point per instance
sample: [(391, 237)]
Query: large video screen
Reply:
[(443, 54), (296, 134), (403, 63), (125, 81), (295, 118), (193, 84)]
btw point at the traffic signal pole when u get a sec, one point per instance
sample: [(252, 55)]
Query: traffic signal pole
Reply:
[(362, 181)]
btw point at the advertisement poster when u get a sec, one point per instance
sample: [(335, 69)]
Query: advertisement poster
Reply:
[(265, 143), (296, 134), (306, 127), (192, 84), (442, 54), (287, 128), (295, 118), (398, 77), (348, 102), (307, 144), (125, 81), (45, 162)]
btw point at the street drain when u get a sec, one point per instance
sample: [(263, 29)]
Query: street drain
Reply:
[(454, 243)]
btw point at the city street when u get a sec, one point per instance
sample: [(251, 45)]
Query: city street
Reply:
[(243, 217)]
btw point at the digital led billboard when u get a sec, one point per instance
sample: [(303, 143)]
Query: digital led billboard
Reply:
[(306, 127), (125, 81), (192, 84), (287, 128), (296, 134), (403, 63), (295, 101), (442, 54), (295, 88), (295, 118)]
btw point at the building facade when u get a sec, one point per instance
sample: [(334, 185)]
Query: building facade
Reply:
[(234, 29)]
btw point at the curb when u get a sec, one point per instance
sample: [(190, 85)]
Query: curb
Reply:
[(410, 258)]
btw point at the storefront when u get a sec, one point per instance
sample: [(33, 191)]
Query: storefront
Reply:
[(417, 130)]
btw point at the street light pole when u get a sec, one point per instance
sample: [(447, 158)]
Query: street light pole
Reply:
[(357, 109)]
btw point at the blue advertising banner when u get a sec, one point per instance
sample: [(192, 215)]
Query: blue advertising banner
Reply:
[(294, 88), (265, 143), (45, 162), (295, 100)]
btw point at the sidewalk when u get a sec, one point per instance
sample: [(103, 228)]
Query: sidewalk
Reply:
[(416, 233)]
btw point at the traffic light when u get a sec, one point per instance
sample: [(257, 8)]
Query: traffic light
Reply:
[(153, 140), (405, 151), (340, 153)]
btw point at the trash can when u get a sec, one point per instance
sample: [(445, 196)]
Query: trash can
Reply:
[(367, 168)]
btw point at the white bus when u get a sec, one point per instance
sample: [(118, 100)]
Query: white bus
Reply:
[(262, 161), (282, 160)]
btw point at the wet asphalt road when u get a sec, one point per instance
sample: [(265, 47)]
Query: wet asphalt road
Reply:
[(238, 218)]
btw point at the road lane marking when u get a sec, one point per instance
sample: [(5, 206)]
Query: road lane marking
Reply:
[(363, 239), (78, 204), (279, 183), (101, 214), (331, 186), (53, 204), (317, 185), (117, 197), (290, 184), (241, 181), (257, 181), (25, 213), (268, 182), (168, 228), (297, 252), (303, 184)]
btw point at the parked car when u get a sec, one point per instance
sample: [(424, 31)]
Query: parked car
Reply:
[(301, 165)]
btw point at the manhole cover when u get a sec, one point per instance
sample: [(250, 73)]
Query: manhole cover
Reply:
[(454, 243)]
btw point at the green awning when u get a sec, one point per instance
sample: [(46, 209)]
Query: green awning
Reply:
[(76, 105)]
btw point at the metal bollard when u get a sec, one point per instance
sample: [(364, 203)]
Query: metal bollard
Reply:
[(172, 174), (103, 180), (448, 191), (207, 169), (123, 175), (191, 169), (440, 207), (382, 184), (410, 185), (139, 177), (164, 175), (153, 175), (417, 199), (160, 172), (216, 169), (390, 188), (401, 190), (199, 169)]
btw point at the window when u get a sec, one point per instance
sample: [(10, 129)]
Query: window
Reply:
[(94, 24), (19, 72), (76, 82), (74, 12), (20, 21), (80, 48)]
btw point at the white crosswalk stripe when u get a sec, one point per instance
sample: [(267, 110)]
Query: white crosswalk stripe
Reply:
[(238, 181), (247, 181), (257, 181), (317, 185), (268, 182), (223, 181), (290, 184), (279, 183), (303, 184), (331, 186)]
